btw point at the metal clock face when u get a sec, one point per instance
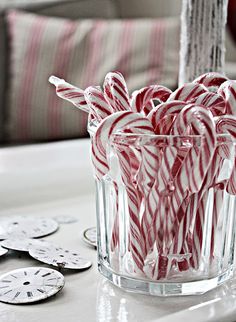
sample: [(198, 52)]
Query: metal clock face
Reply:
[(27, 226), (23, 244), (90, 236), (65, 219), (31, 284), (3, 251), (59, 257)]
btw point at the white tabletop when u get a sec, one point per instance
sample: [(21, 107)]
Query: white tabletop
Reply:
[(56, 179)]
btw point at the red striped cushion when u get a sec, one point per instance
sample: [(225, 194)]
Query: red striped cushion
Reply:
[(82, 52)]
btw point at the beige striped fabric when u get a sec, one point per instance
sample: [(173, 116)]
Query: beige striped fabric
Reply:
[(82, 52)]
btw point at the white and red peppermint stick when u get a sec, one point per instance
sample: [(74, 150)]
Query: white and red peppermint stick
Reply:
[(211, 79), (213, 101), (168, 155), (134, 164), (227, 124), (142, 99), (217, 210), (96, 101), (162, 117), (116, 92), (144, 163), (187, 92), (112, 124), (163, 220), (222, 152), (70, 93), (195, 165), (197, 238), (228, 91), (202, 123)]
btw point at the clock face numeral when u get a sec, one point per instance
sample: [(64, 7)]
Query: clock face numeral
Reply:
[(90, 236), (26, 227), (30, 285), (59, 257)]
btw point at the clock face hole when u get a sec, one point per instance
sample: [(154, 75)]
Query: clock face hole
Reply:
[(61, 255), (26, 283), (15, 223)]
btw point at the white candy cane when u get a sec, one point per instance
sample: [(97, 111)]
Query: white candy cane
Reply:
[(214, 102), (116, 92), (70, 93), (142, 99), (227, 124), (228, 91), (211, 79), (163, 116), (113, 123), (195, 165), (97, 103), (187, 92)]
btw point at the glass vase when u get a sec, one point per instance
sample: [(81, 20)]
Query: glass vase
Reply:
[(162, 230)]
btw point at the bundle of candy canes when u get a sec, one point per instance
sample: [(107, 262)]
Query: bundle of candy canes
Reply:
[(166, 187)]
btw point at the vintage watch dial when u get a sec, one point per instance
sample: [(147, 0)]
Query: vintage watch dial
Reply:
[(27, 227), (90, 236), (23, 244), (30, 284), (59, 257)]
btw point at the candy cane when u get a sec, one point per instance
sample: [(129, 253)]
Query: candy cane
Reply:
[(142, 100), (163, 219), (163, 116), (194, 237), (70, 93), (227, 124), (214, 102), (187, 92), (228, 91), (97, 103), (195, 165), (211, 79), (113, 123), (116, 92)]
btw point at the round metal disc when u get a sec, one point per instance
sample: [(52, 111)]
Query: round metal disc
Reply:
[(90, 236), (3, 251), (59, 257), (65, 219), (27, 226), (31, 284), (23, 244)]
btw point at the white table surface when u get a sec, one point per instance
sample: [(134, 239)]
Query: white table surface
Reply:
[(56, 179)]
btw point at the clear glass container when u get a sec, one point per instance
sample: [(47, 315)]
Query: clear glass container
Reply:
[(162, 229)]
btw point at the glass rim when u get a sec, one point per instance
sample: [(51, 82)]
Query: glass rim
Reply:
[(127, 139)]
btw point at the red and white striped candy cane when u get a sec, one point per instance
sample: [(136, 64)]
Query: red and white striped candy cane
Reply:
[(228, 91), (142, 99), (112, 124), (227, 124), (163, 116), (163, 220), (187, 92), (211, 79), (97, 103), (214, 102), (195, 165), (116, 92), (223, 151), (70, 93)]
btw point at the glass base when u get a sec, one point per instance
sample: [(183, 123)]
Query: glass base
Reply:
[(164, 288)]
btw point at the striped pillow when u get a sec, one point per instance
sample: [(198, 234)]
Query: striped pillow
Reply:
[(82, 52)]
